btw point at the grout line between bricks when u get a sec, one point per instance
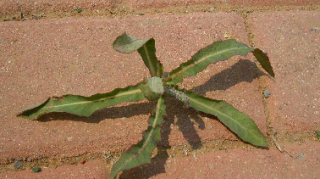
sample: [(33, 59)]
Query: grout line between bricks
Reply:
[(123, 10), (160, 153)]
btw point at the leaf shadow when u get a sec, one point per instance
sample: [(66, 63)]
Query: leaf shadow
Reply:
[(242, 71), (221, 81), (185, 119)]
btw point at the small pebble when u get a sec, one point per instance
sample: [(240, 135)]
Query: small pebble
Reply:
[(17, 165), (141, 13), (266, 93), (212, 8), (300, 156), (313, 30), (36, 169), (264, 51)]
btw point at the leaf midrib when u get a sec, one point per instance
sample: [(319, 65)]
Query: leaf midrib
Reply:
[(101, 99), (150, 133), (208, 107), (201, 60), (152, 70)]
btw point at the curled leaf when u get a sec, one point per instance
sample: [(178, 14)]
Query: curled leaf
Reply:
[(146, 48)]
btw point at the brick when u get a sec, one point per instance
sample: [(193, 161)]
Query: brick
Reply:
[(292, 41), (75, 56), (14, 6), (238, 163), (92, 169), (169, 3)]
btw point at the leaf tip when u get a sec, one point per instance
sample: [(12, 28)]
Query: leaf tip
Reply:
[(263, 59)]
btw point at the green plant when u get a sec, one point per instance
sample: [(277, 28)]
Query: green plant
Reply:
[(155, 89)]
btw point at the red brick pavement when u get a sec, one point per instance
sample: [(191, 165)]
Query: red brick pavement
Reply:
[(74, 56)]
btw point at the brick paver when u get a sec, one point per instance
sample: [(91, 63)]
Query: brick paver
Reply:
[(238, 163), (75, 56), (292, 41), (216, 3), (44, 6), (92, 169)]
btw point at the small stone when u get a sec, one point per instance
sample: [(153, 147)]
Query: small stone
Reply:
[(69, 138), (266, 93), (212, 8), (79, 10), (82, 162), (300, 156), (17, 165), (36, 169), (264, 51), (313, 30), (29, 159)]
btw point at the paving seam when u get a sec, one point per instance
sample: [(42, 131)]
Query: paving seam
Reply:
[(123, 10)]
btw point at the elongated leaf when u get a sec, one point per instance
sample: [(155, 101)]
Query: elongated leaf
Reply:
[(83, 106), (238, 122), (215, 52), (148, 54), (146, 48), (141, 153), (263, 59)]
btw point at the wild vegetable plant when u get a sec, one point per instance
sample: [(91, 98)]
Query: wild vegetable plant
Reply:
[(154, 89)]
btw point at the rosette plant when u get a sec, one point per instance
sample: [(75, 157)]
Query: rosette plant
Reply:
[(155, 89)]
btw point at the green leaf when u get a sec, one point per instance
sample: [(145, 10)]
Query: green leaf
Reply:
[(263, 59), (213, 53), (148, 54), (153, 90), (238, 122), (146, 48), (141, 153), (83, 106), (127, 43)]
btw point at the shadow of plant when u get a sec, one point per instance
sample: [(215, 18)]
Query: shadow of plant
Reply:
[(221, 81), (230, 77)]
